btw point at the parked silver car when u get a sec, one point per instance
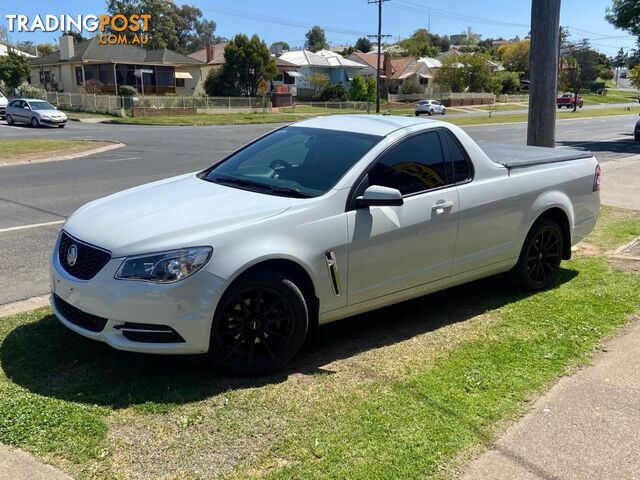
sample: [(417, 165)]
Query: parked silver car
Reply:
[(430, 107), (34, 112)]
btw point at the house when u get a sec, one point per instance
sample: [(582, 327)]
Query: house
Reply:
[(5, 49), (212, 56), (325, 62), (403, 70), (72, 65)]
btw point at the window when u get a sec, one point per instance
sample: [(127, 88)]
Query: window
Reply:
[(78, 75), (307, 160), (180, 82), (459, 158), (415, 165), (424, 81)]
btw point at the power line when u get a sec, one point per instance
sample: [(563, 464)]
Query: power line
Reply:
[(275, 20)]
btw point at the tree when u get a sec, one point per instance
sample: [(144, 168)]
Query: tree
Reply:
[(14, 68), (371, 89), (363, 44), (45, 49), (358, 89), (179, 28), (246, 62), (625, 14), (515, 57), (470, 38), (634, 76), (466, 73), (316, 39), (77, 36), (319, 80), (507, 82), (26, 46), (570, 77), (419, 44), (285, 45)]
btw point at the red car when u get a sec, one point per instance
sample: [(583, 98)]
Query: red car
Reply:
[(568, 100)]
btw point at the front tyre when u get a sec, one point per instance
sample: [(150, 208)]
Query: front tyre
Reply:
[(539, 264), (444, 111), (260, 324), (34, 122)]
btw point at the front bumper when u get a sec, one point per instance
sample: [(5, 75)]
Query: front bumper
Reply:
[(53, 121), (186, 307)]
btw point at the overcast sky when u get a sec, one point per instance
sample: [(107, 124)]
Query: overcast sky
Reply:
[(346, 20)]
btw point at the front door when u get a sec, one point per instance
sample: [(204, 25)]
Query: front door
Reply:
[(396, 248)]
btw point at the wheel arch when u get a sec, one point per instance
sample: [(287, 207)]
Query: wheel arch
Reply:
[(293, 269), (560, 216)]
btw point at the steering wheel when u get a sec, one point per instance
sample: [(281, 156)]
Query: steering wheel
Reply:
[(279, 161)]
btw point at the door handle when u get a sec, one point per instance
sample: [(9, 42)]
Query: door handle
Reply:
[(440, 207)]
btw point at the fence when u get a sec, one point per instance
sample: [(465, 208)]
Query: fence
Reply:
[(116, 105), (311, 107)]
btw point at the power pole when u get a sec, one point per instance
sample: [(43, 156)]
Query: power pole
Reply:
[(379, 38), (543, 59)]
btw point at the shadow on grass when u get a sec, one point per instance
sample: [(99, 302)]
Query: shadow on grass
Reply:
[(48, 359)]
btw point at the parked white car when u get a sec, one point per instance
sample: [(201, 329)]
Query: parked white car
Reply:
[(3, 106), (430, 107), (311, 223)]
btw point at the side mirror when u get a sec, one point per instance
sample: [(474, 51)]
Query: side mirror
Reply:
[(377, 196)]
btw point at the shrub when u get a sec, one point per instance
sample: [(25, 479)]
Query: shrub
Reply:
[(409, 88), (333, 93), (509, 82), (358, 89), (93, 87), (597, 87), (371, 89), (127, 91), (29, 91)]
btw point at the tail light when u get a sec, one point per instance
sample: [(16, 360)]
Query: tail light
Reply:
[(597, 178)]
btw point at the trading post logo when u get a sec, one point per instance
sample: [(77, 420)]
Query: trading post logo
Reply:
[(116, 29)]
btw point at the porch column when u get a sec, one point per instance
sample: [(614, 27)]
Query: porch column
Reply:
[(115, 78)]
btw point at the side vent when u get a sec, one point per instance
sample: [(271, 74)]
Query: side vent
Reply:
[(334, 274)]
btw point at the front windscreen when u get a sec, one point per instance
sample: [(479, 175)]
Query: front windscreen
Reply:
[(41, 106), (294, 161)]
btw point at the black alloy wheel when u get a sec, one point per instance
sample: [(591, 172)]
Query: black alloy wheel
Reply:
[(539, 263), (260, 325)]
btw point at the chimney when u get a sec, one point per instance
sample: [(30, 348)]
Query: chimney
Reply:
[(388, 67), (209, 49), (66, 47)]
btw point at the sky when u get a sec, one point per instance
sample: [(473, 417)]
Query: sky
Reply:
[(346, 20)]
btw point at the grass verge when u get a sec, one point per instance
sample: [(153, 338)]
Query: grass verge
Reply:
[(16, 151), (213, 119), (405, 392), (562, 115)]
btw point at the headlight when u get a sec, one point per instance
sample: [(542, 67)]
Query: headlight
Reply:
[(46, 117), (165, 267)]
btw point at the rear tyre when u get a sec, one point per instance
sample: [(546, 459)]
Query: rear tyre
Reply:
[(539, 264), (430, 112), (259, 326), (636, 137), (417, 114), (9, 120), (34, 122)]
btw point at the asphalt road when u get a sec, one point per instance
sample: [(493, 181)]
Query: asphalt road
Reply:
[(46, 193)]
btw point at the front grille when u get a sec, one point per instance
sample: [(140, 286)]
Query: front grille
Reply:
[(149, 333), (89, 260), (78, 317)]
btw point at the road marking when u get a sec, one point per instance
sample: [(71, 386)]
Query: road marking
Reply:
[(573, 131), (33, 225), (121, 159)]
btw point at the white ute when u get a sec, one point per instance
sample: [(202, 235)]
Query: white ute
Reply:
[(311, 223)]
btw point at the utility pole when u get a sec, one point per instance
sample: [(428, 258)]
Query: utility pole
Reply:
[(379, 38), (543, 59)]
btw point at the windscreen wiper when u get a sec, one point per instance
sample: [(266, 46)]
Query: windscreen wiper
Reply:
[(241, 182)]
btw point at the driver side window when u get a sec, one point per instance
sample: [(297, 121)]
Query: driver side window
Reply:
[(415, 165)]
